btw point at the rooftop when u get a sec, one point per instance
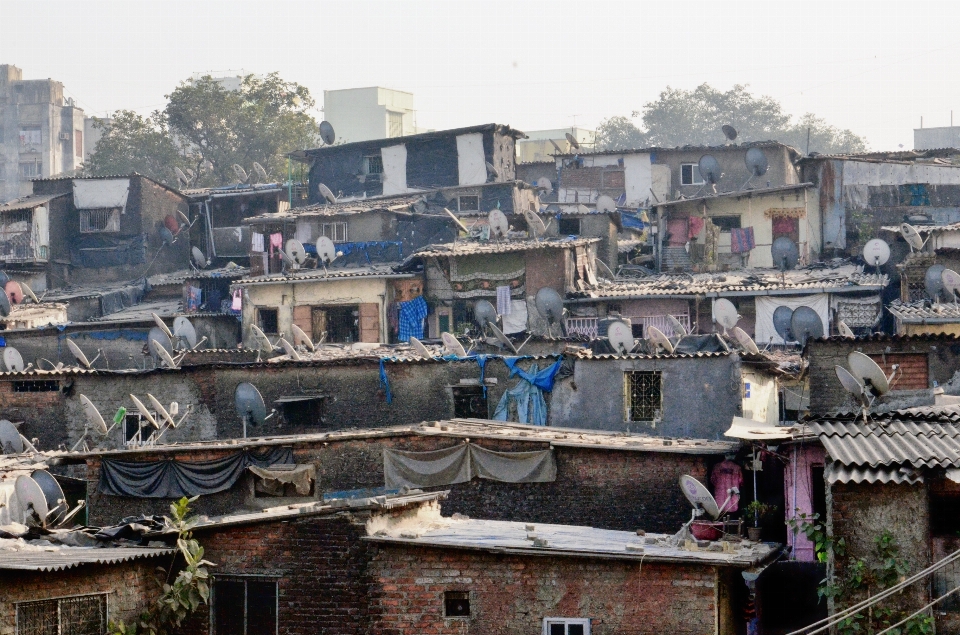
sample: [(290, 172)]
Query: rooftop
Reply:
[(737, 194), (29, 202), (21, 555), (471, 247), (925, 312), (323, 275), (239, 189), (690, 148), (179, 277), (925, 229), (304, 155)]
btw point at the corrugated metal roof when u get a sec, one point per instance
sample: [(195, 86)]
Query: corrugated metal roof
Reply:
[(58, 558), (889, 443), (423, 136), (471, 247), (237, 189), (29, 202), (393, 203), (320, 275), (179, 277), (925, 229), (922, 312)]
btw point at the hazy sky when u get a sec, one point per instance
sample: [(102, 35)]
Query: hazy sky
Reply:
[(872, 66)]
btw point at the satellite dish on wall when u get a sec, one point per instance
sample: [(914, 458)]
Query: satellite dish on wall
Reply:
[(620, 336), (785, 253), (326, 193), (53, 495), (933, 281), (677, 326), (850, 383), (199, 260), (420, 349), (868, 372), (845, 331), (756, 161), (144, 412), (452, 345), (503, 339), (544, 183), (745, 341), (534, 224), (12, 360), (165, 415), (572, 141), (94, 418), (806, 323), (457, 221), (184, 332), (951, 282), (162, 325), (10, 440), (326, 251), (32, 501), (28, 292), (289, 350), (549, 305), (78, 354), (249, 404), (157, 335), (657, 338), (14, 292), (725, 313), (709, 169), (163, 354), (484, 313), (606, 204), (876, 252), (699, 496), (263, 342), (729, 132), (499, 226), (327, 133), (166, 236), (300, 338), (912, 236), (782, 317)]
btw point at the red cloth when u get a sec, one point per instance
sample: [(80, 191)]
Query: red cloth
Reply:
[(696, 225), (726, 475)]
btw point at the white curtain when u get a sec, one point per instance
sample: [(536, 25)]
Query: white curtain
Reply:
[(767, 304), (99, 193)]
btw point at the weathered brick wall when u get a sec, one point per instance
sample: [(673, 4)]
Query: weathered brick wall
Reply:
[(512, 593), (130, 587)]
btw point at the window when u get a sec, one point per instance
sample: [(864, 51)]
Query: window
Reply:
[(46, 385), (267, 320), (456, 604), (337, 232), (394, 124), (568, 226), (101, 220), (644, 399), (373, 164), (690, 174), (30, 169), (726, 223), (469, 402), (136, 428), (78, 137), (468, 203), (340, 323), (244, 606), (302, 410), (566, 626), (15, 235), (30, 137), (78, 615)]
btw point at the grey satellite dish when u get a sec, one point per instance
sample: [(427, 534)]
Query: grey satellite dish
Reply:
[(745, 341), (729, 132), (545, 184), (166, 236), (951, 282), (4, 305), (327, 133), (912, 236), (657, 337), (549, 305), (850, 383), (162, 325), (782, 317), (184, 331), (295, 251), (452, 345), (53, 495), (492, 170), (163, 355), (725, 313), (290, 350), (419, 348), (457, 221), (709, 169), (261, 172), (868, 372), (484, 313), (805, 323), (606, 204), (326, 251), (534, 224), (502, 338), (699, 496), (199, 260), (602, 265), (677, 326), (756, 160), (845, 330), (10, 440), (497, 221), (933, 281), (876, 252), (94, 418), (12, 360), (27, 291), (240, 172), (326, 193), (300, 338), (182, 178), (144, 412), (785, 253), (249, 404), (572, 141), (78, 354), (4, 278), (555, 146), (31, 497), (157, 335)]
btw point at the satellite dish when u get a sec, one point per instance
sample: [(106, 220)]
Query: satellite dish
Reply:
[(912, 236), (78, 354), (657, 337), (457, 221), (729, 132), (295, 251), (452, 345), (484, 313), (184, 331), (534, 224), (725, 313), (492, 170), (756, 160), (249, 404), (290, 350), (199, 260), (326, 251), (181, 177), (240, 172), (503, 338), (53, 495), (4, 305), (28, 292), (606, 204), (709, 169), (162, 325), (602, 265), (499, 226), (572, 141), (12, 360), (868, 372), (94, 418), (951, 282), (677, 326), (262, 339), (163, 354), (166, 236), (164, 342), (14, 292), (30, 496), (300, 338), (806, 323), (785, 253), (549, 305), (545, 184), (326, 193), (168, 419), (876, 252), (10, 440), (620, 336), (782, 317), (144, 412), (850, 383), (419, 348), (745, 341), (845, 331), (261, 172), (327, 133), (699, 496), (933, 281)]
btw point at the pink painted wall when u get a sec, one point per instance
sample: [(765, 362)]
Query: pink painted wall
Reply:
[(798, 481)]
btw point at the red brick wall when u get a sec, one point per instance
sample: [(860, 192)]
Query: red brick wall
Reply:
[(512, 594), (913, 366)]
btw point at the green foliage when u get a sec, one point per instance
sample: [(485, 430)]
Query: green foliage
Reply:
[(186, 592), (132, 143), (695, 117), (816, 532), (758, 511)]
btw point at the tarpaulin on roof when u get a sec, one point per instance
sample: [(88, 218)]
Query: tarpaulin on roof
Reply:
[(464, 462), (99, 251), (174, 479), (100, 193), (766, 305)]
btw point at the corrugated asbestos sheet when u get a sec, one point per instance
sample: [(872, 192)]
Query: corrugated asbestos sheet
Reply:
[(890, 443), (60, 558), (836, 473)]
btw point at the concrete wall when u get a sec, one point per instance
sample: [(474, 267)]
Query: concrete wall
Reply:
[(934, 138), (361, 114), (781, 170)]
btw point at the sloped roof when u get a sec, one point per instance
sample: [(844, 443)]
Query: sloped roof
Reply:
[(471, 247), (889, 443), (923, 312), (29, 202), (58, 558)]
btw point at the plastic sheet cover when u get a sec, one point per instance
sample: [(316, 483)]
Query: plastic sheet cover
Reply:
[(100, 193), (464, 462)]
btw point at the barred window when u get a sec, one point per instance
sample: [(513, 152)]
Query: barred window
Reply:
[(337, 232), (79, 615), (106, 219), (244, 606), (468, 203), (373, 164), (643, 395)]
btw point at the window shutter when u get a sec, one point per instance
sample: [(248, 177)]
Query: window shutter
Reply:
[(370, 322), (302, 317)]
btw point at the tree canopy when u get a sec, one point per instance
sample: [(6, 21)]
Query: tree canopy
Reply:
[(209, 128), (695, 117)]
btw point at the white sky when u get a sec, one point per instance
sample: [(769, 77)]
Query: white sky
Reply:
[(874, 66)]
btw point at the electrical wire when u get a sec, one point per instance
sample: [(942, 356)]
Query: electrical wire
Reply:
[(918, 612)]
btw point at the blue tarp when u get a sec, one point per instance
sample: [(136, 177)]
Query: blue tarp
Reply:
[(528, 392)]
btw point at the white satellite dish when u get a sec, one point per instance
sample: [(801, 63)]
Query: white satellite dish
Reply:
[(144, 412), (699, 496), (534, 224), (545, 184), (606, 204), (657, 338), (457, 221), (951, 282), (503, 338), (300, 338), (326, 251), (868, 372), (27, 291), (12, 360), (876, 252), (240, 172), (78, 354), (912, 236), (295, 251), (164, 414), (162, 325), (199, 260), (184, 332), (498, 224), (845, 330), (452, 345), (263, 342), (420, 349), (326, 193), (261, 172), (32, 501), (676, 325), (162, 354), (725, 313), (10, 440), (850, 383), (94, 418), (290, 350), (745, 341), (620, 336)]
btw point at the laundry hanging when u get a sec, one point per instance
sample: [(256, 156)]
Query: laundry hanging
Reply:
[(741, 240), (528, 392), (503, 300), (411, 315), (256, 243)]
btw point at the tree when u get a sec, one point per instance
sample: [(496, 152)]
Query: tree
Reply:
[(695, 117), (132, 143), (619, 133)]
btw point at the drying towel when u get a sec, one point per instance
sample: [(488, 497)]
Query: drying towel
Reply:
[(741, 240), (503, 300), (237, 304), (276, 240), (411, 319), (696, 226), (257, 242)]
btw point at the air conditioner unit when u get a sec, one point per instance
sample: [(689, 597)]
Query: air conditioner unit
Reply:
[(64, 136)]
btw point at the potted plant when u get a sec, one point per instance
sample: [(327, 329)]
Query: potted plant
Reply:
[(756, 512)]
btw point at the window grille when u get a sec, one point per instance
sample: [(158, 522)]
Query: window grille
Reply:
[(566, 626), (644, 397), (373, 164), (568, 226), (45, 385), (468, 203), (337, 232), (105, 219), (30, 169), (15, 231), (244, 606), (79, 615), (268, 320)]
